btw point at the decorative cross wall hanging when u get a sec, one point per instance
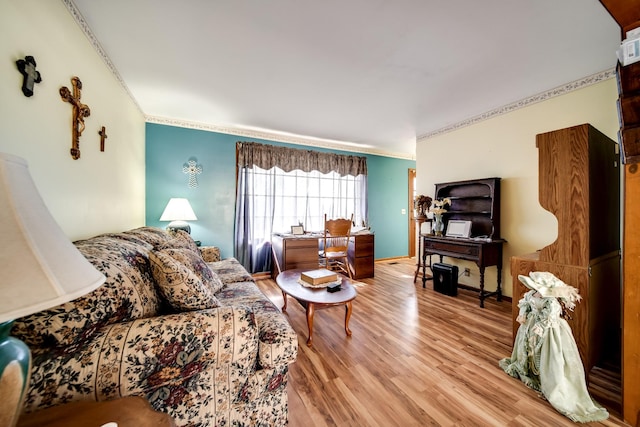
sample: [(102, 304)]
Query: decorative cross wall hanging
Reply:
[(80, 111), (192, 168), (103, 136), (27, 67)]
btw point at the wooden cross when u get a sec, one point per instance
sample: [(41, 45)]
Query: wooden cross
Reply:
[(80, 111), (192, 168), (103, 136)]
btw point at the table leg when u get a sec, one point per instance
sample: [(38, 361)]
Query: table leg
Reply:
[(347, 316), (418, 257), (284, 307), (310, 312), (481, 286), (424, 269), (499, 290)]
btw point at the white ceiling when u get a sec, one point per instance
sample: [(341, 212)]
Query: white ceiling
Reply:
[(376, 73)]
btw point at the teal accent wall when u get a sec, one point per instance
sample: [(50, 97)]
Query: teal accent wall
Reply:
[(168, 148)]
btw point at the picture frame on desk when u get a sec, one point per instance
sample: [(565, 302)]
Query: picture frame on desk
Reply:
[(297, 230), (458, 228)]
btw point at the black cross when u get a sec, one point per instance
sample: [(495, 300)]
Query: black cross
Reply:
[(27, 67)]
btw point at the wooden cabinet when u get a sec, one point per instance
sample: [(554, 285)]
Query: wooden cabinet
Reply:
[(360, 254), (579, 182), (477, 201)]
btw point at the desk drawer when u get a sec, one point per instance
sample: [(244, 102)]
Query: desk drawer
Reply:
[(300, 253), (301, 243), (472, 251)]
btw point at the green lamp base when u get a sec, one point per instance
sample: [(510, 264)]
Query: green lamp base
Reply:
[(15, 371)]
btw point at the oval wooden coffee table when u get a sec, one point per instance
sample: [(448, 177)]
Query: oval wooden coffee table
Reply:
[(316, 298)]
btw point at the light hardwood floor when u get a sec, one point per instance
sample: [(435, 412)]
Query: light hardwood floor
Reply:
[(416, 358)]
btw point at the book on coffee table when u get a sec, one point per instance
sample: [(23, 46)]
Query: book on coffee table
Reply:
[(318, 277)]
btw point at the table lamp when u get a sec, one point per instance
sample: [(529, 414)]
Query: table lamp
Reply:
[(178, 211), (39, 268)]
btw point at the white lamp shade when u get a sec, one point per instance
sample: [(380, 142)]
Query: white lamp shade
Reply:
[(39, 266), (178, 210)]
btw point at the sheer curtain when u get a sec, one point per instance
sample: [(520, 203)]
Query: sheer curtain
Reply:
[(278, 187)]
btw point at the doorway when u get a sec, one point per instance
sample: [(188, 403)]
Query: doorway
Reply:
[(412, 213)]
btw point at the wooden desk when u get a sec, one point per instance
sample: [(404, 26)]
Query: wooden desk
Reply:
[(483, 253), (132, 411), (301, 252)]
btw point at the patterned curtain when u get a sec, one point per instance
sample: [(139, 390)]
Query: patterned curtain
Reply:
[(288, 159)]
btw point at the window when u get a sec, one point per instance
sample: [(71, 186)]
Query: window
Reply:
[(272, 200)]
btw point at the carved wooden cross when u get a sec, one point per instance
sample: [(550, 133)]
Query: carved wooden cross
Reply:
[(192, 168), (103, 136), (80, 111)]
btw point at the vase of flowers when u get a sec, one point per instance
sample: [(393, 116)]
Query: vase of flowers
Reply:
[(421, 205), (439, 208)]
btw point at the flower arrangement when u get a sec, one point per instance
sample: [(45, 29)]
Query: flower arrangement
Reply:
[(440, 206), (422, 203)]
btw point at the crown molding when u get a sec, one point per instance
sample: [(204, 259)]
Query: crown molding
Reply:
[(544, 96), (77, 16), (277, 136)]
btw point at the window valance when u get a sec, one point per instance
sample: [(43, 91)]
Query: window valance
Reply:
[(288, 159)]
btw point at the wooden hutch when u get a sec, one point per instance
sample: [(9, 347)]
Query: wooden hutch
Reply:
[(477, 201), (579, 182)]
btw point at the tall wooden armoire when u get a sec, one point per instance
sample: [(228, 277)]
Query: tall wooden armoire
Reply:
[(579, 182)]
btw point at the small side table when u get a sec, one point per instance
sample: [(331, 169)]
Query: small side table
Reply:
[(131, 411), (420, 222)]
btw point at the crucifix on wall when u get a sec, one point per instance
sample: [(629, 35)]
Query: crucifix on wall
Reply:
[(103, 135), (80, 111)]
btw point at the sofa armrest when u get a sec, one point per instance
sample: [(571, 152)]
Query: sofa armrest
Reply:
[(210, 253), (163, 350), (277, 341), (144, 355)]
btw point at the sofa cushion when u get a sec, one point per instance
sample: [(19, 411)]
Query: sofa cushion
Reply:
[(184, 279), (181, 239), (128, 293), (210, 253), (230, 271), (152, 235)]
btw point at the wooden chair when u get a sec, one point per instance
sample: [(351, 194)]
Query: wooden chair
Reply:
[(333, 255)]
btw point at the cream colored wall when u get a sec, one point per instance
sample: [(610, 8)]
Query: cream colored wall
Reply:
[(505, 147), (102, 191)]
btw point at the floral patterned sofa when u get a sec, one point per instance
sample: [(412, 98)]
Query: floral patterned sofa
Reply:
[(173, 323)]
